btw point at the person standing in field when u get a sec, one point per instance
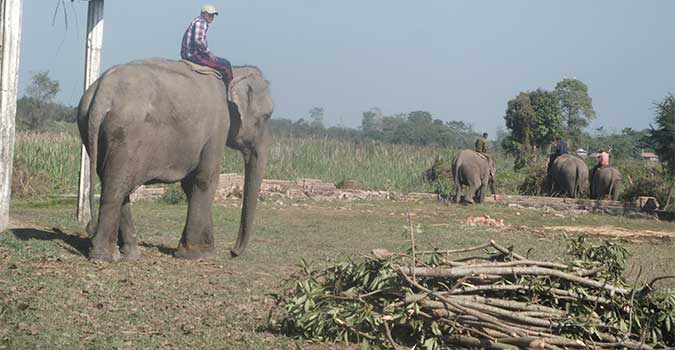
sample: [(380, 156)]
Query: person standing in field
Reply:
[(195, 47), (481, 145)]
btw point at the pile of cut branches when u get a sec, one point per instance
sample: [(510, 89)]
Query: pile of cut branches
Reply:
[(480, 297)]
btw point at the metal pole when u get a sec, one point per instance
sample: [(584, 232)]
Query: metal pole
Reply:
[(92, 68), (10, 37)]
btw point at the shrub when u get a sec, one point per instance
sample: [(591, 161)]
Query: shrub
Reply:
[(439, 176), (533, 182), (653, 186), (173, 194)]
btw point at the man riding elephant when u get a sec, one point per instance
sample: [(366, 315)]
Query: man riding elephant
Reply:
[(605, 180), (169, 124), (569, 173), (559, 148), (472, 173), (481, 144), (195, 47)]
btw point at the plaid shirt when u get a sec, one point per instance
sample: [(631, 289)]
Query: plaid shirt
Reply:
[(194, 39)]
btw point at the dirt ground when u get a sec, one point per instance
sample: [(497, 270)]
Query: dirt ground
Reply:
[(51, 296)]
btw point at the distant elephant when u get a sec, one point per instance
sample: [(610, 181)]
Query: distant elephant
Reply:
[(569, 174), (156, 121), (472, 173), (606, 182)]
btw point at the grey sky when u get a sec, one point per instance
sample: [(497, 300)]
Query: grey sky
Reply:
[(460, 60)]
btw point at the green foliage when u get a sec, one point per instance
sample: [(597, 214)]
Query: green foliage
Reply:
[(647, 186), (316, 117), (37, 109), (608, 254), (173, 194), (533, 119), (628, 144), (533, 180), (663, 136), (576, 107), (371, 302), (440, 177)]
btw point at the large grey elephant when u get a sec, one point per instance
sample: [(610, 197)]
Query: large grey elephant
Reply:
[(569, 174), (606, 182), (156, 121), (472, 173)]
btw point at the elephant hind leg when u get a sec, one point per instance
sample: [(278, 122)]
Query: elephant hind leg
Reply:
[(127, 234), (104, 243)]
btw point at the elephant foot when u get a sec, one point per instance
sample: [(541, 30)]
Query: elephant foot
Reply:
[(110, 255), (190, 252), (91, 228), (131, 252)]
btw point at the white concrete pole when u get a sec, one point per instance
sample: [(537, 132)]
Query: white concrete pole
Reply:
[(92, 67), (10, 38)]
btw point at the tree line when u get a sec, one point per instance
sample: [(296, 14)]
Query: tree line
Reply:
[(414, 128)]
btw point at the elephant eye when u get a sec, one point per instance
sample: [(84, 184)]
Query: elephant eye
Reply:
[(249, 94)]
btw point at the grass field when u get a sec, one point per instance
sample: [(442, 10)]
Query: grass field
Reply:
[(47, 165), (51, 296)]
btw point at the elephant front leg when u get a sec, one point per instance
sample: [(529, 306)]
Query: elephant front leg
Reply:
[(127, 234), (197, 239)]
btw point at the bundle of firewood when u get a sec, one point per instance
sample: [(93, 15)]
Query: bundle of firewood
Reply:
[(480, 297)]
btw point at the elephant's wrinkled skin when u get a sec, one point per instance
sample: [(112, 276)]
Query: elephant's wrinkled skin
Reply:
[(606, 182), (472, 172), (155, 121), (569, 174)]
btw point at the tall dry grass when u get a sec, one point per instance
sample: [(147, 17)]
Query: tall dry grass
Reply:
[(47, 163)]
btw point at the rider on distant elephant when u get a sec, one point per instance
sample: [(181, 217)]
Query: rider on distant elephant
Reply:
[(195, 48), (603, 162), (481, 145), (560, 148)]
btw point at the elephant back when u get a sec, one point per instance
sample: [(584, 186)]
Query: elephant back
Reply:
[(607, 175)]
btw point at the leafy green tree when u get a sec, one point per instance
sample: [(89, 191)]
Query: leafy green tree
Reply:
[(316, 118), (662, 138), (36, 107), (548, 118), (459, 135), (372, 123), (533, 119), (576, 107)]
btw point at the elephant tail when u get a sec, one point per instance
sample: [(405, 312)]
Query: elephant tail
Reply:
[(98, 108), (578, 184), (456, 164)]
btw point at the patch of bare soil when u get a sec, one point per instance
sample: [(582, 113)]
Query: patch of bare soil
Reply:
[(485, 220), (613, 232)]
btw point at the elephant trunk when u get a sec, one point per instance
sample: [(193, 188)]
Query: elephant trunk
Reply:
[(255, 160)]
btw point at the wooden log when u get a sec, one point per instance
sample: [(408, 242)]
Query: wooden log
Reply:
[(92, 67), (463, 271), (10, 38)]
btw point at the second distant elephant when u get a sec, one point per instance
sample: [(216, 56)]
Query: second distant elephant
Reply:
[(606, 182), (472, 173), (569, 174)]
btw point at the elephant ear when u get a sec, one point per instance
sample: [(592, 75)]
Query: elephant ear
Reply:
[(250, 106)]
